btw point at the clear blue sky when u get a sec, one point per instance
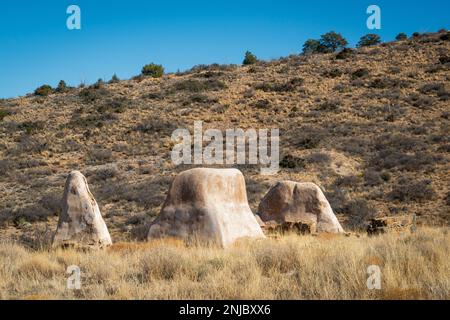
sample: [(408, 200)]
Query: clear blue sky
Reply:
[(121, 36)]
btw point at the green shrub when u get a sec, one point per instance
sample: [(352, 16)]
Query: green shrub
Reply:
[(369, 40), (401, 36), (345, 54), (62, 87), (3, 114), (99, 84), (332, 42), (153, 70), (329, 42), (114, 79), (250, 58), (43, 90), (312, 46)]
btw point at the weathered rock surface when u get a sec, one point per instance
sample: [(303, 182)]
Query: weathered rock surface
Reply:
[(80, 222), (293, 202), (208, 205)]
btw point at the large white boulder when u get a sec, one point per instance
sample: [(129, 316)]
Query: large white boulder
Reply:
[(289, 201), (80, 222), (208, 205)]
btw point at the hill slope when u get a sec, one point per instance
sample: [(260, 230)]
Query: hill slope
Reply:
[(370, 126)]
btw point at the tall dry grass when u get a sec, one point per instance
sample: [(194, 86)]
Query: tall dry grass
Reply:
[(415, 266)]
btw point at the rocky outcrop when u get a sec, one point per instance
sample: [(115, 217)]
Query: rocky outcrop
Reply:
[(80, 222), (209, 205), (290, 203)]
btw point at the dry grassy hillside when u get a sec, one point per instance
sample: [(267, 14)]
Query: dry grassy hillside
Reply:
[(370, 126)]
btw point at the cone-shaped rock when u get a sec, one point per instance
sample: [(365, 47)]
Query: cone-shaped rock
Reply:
[(289, 201), (80, 222), (208, 205)]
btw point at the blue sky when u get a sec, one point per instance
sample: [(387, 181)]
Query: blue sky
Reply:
[(121, 36)]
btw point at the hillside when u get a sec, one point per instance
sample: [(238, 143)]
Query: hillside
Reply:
[(370, 126)]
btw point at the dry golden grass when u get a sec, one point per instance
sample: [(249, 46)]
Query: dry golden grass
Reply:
[(414, 266)]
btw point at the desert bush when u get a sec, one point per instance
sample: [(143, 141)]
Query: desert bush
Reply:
[(308, 137), (444, 59), (329, 105), (153, 70), (31, 127), (447, 199), (262, 104), (211, 67), (345, 54), (373, 178), (333, 41), (388, 83), (369, 40), (292, 162), (312, 46), (390, 159), (220, 108), (51, 202), (419, 100), (399, 142), (43, 90), (333, 73), (360, 73), (62, 87), (29, 144), (192, 85), (99, 155), (354, 145), (290, 85), (114, 79), (200, 99), (5, 166), (4, 113), (115, 105), (156, 125), (444, 148), (102, 174), (338, 198), (445, 36), (94, 93), (401, 36), (318, 157), (408, 190), (433, 87), (91, 120), (359, 212), (329, 42), (350, 181), (249, 58), (209, 74), (30, 213)]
